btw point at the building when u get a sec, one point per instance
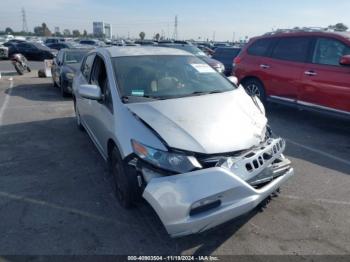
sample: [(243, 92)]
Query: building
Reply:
[(101, 29), (108, 31), (57, 30)]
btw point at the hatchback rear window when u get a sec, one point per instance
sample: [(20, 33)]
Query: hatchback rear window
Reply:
[(260, 47)]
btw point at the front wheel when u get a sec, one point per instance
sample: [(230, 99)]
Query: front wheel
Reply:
[(77, 117), (124, 181), (254, 88), (19, 68), (63, 87)]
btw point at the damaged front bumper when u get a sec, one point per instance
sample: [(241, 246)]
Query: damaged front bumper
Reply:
[(199, 200)]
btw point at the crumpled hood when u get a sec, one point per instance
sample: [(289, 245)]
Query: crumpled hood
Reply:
[(209, 124)]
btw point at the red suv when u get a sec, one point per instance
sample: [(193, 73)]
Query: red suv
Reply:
[(307, 69)]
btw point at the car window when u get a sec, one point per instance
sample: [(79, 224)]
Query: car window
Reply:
[(73, 57), (329, 51), (260, 47), (99, 78), (165, 77), (86, 68), (292, 49), (26, 46)]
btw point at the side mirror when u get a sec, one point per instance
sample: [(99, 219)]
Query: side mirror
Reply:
[(92, 92), (233, 79), (345, 60)]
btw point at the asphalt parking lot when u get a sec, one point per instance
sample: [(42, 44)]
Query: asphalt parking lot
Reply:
[(56, 196)]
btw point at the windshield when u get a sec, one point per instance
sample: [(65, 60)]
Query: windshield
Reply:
[(163, 77), (74, 57), (189, 48)]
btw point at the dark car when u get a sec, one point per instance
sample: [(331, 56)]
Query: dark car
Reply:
[(64, 67), (307, 69), (226, 55), (218, 66), (54, 40), (62, 45), (32, 51)]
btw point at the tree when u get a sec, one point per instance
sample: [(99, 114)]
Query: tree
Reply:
[(142, 35), (46, 31), (66, 32), (76, 33), (339, 27), (38, 30), (85, 33), (8, 31), (157, 37)]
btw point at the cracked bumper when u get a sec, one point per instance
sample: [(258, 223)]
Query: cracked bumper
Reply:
[(173, 198)]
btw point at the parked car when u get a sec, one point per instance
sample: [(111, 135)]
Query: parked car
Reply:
[(226, 55), (64, 68), (54, 40), (218, 66), (32, 51), (92, 42), (179, 134), (309, 70), (63, 45), (206, 50), (146, 42)]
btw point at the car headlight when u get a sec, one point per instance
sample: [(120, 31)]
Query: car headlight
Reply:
[(174, 162), (70, 76)]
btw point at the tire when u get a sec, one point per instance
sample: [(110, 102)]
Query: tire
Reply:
[(28, 69), (255, 87), (78, 119), (125, 181), (19, 68), (63, 91)]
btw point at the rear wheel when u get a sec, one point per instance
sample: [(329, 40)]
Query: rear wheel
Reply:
[(125, 182), (254, 88)]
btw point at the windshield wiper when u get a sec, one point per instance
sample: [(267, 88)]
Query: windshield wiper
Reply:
[(126, 99), (207, 92)]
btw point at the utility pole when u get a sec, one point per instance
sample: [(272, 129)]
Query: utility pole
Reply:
[(24, 21), (175, 36)]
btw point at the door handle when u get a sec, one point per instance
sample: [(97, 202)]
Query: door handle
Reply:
[(264, 66), (310, 73)]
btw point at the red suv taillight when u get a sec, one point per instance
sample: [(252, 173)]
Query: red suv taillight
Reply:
[(237, 60)]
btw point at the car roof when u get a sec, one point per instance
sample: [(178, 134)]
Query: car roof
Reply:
[(306, 33), (118, 51)]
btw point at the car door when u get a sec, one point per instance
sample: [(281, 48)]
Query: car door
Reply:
[(101, 124), (84, 104), (25, 49), (326, 83), (282, 71)]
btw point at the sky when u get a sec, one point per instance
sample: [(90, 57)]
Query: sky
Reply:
[(197, 19)]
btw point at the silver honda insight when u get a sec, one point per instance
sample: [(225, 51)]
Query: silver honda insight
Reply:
[(179, 134)]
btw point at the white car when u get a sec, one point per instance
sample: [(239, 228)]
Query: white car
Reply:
[(179, 134)]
